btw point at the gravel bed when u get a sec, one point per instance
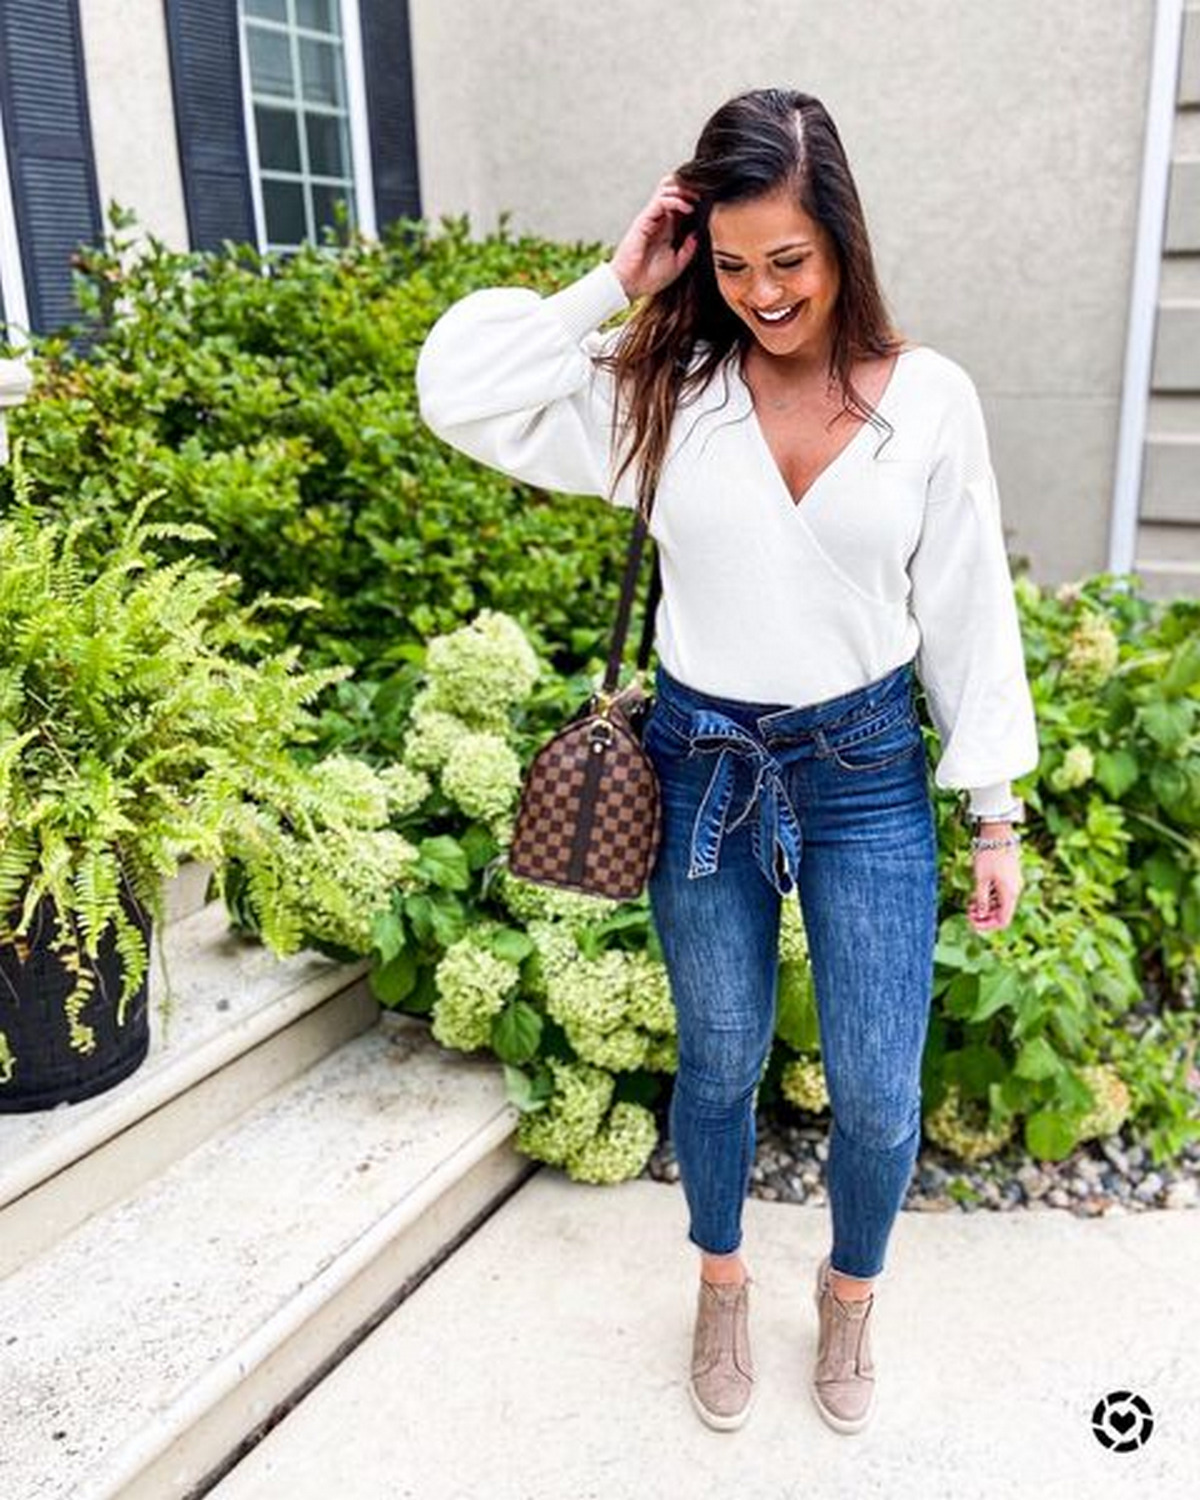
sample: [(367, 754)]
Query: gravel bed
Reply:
[(1112, 1176)]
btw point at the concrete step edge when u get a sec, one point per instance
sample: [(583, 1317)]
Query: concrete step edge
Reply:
[(33, 1223), (171, 1079), (171, 1454)]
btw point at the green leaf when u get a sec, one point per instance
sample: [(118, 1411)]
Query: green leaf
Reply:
[(423, 998), (1184, 669), (1116, 771), (511, 944), (978, 1068), (516, 1032), (442, 861), (796, 1020), (387, 934), (1037, 1060), (998, 987), (479, 846), (1167, 723), (962, 995), (525, 1091), (1050, 1135), (393, 981), (436, 917)]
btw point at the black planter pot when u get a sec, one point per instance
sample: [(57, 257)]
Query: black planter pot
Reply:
[(45, 1069)]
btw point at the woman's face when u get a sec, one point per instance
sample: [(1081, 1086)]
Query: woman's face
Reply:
[(771, 258)]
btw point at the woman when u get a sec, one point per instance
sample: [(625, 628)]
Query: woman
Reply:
[(808, 574)]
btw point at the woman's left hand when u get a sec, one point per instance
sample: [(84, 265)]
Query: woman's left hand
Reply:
[(998, 883)]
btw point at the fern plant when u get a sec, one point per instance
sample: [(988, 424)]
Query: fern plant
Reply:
[(138, 724)]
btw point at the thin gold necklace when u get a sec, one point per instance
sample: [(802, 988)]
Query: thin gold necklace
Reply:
[(785, 403)]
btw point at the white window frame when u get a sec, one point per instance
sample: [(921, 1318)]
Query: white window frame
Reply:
[(12, 274), (362, 185)]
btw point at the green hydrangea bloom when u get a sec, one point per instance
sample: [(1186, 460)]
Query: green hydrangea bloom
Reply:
[(325, 885), (620, 1050), (802, 1082), (431, 735), (404, 787), (1077, 768), (591, 993), (960, 1125), (609, 1006), (482, 775), (482, 670), (1093, 649), (793, 940), (572, 1115), (473, 985), (620, 1149), (350, 791), (557, 950), (662, 1054), (529, 901), (650, 1003), (1113, 1101)]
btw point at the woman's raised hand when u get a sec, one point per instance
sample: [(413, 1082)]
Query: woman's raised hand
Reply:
[(646, 260)]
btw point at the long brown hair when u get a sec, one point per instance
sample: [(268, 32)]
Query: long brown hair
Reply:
[(753, 145)]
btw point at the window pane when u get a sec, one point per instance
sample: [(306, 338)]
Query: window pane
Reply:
[(270, 62), (324, 198), (278, 139), (283, 208), (317, 15), (270, 10), (327, 145), (321, 71)]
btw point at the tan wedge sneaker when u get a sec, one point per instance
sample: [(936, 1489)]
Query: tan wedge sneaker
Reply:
[(844, 1382), (722, 1375)]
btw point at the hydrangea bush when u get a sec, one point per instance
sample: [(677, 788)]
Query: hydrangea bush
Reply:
[(570, 992)]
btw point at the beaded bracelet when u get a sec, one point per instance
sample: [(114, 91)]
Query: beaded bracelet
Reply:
[(978, 843)]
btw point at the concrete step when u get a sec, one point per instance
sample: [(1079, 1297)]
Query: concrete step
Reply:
[(186, 893), (1168, 579), (1177, 345), (1171, 480), (143, 1348), (548, 1358), (242, 1022)]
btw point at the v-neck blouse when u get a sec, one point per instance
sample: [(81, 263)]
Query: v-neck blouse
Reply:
[(896, 549)]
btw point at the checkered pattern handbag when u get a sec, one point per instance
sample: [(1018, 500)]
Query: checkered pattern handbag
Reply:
[(589, 817)]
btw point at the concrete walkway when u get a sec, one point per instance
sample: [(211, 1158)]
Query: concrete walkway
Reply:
[(547, 1360)]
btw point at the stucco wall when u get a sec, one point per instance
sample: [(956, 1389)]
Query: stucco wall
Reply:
[(996, 147), (133, 119)]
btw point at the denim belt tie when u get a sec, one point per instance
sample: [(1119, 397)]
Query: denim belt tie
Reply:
[(775, 837)]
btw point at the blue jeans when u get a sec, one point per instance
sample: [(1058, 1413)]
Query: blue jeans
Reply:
[(830, 800)]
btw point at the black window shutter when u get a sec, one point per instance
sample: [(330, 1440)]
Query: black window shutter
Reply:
[(387, 62), (210, 120), (43, 93)]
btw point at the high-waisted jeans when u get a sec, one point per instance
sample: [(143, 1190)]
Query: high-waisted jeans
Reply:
[(830, 800)]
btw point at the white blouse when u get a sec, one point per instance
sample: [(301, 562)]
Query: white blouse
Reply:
[(896, 549)]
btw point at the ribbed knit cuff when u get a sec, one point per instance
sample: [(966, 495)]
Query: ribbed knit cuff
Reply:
[(991, 799), (588, 302)]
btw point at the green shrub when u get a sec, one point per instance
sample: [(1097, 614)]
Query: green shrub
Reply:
[(272, 399)]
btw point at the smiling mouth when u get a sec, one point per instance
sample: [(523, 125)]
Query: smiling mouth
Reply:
[(778, 317)]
